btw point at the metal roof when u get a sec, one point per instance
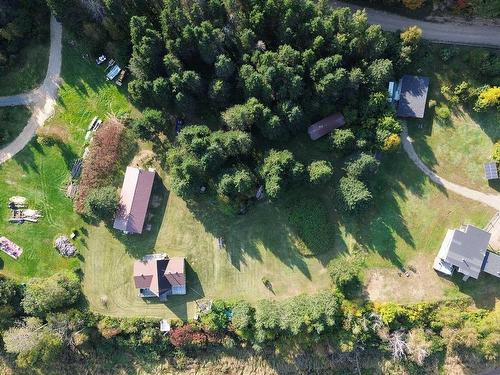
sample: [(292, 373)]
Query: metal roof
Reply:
[(491, 170), (134, 200), (325, 126), (413, 96), (491, 264), (465, 248)]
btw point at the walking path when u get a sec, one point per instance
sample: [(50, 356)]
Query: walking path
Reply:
[(446, 32), (42, 99), (492, 200)]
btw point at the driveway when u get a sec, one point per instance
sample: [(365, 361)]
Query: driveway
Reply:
[(449, 32), (42, 101)]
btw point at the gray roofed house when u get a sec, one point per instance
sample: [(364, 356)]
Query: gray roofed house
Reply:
[(413, 96), (465, 250)]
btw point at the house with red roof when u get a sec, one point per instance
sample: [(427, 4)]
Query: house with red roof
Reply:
[(134, 200), (157, 275)]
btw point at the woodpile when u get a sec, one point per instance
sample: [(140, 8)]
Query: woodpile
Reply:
[(64, 246)]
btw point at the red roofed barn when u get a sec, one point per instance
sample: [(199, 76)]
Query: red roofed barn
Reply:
[(134, 200)]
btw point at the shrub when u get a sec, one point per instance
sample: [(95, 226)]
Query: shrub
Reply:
[(432, 103), (391, 143), (489, 97), (344, 272), (279, 170), (320, 171), (362, 167), (51, 135), (102, 163), (495, 155), (191, 336), (413, 4), (343, 141), (443, 112), (353, 194), (44, 295)]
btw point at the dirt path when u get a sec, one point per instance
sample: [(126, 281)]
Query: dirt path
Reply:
[(42, 100), (445, 32), (492, 200)]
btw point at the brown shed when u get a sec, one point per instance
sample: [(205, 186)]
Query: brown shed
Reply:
[(325, 126)]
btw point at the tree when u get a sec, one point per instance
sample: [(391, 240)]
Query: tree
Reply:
[(411, 36), (33, 343), (279, 170), (353, 194), (343, 140), (152, 123), (344, 272), (419, 346), (320, 172), (379, 72), (242, 320), (240, 116), (236, 182), (102, 203), (362, 167), (44, 295), (224, 67)]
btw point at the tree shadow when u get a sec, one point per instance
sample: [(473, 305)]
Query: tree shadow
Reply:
[(262, 229), (139, 245), (26, 158), (484, 291)]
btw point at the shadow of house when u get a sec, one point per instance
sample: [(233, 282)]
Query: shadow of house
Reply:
[(139, 245)]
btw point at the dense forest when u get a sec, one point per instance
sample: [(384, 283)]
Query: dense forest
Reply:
[(20, 23)]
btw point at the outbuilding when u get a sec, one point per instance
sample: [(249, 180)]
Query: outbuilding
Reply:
[(413, 96), (325, 126)]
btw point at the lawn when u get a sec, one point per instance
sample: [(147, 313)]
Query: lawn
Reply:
[(40, 172), (30, 70), (458, 148), (12, 122)]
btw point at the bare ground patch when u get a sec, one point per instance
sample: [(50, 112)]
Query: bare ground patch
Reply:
[(386, 285)]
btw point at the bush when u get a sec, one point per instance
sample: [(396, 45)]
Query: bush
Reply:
[(443, 112), (391, 143), (413, 4), (344, 272), (353, 194), (362, 167), (44, 295), (343, 141), (102, 203), (489, 97), (102, 164), (495, 155), (320, 172)]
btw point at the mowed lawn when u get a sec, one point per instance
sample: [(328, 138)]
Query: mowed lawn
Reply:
[(12, 122), (40, 173), (456, 149)]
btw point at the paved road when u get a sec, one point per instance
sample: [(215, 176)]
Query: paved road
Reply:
[(454, 33), (492, 200), (42, 100)]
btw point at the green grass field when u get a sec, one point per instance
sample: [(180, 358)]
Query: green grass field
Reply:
[(455, 149), (407, 222), (40, 172), (30, 70), (12, 122)]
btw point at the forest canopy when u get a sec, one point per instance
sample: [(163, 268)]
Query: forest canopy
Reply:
[(265, 70)]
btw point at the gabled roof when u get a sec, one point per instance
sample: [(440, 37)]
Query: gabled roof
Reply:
[(325, 126), (159, 274), (413, 96), (134, 200), (466, 249)]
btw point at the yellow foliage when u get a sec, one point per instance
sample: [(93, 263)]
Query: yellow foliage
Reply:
[(392, 142), (413, 4), (489, 97)]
